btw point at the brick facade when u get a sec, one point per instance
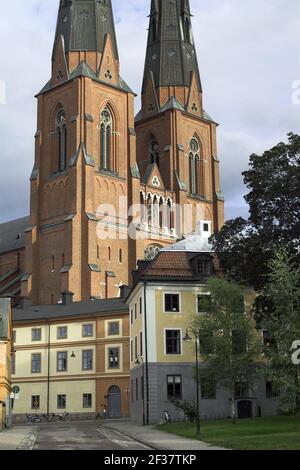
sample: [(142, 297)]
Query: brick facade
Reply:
[(70, 207)]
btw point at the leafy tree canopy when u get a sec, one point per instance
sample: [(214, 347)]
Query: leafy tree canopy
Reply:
[(245, 247), (281, 320)]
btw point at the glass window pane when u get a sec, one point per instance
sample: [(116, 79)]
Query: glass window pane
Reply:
[(62, 361), (171, 303), (113, 328), (87, 360), (62, 332), (114, 354), (36, 334), (87, 330), (35, 402), (36, 363), (61, 401)]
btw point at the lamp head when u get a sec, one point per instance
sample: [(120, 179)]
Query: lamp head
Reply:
[(187, 337)]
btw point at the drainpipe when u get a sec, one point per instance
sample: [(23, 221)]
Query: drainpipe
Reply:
[(146, 353), (48, 377)]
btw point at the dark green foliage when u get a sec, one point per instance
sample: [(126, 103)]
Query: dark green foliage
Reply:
[(245, 247), (281, 320), (189, 408)]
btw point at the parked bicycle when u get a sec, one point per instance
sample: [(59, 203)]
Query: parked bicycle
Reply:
[(32, 419), (64, 417), (166, 417), (49, 418)]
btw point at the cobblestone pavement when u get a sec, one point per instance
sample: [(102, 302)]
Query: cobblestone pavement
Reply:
[(18, 438)]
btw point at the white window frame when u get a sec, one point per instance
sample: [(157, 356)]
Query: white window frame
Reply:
[(164, 303), (165, 342)]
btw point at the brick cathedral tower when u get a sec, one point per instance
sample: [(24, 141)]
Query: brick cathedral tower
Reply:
[(93, 161), (84, 146), (176, 139)]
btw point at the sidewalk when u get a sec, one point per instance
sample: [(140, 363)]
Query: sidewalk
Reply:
[(157, 440), (18, 438)]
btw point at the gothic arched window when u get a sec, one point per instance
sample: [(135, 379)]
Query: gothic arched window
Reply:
[(194, 167), (106, 130), (61, 131), (154, 152)]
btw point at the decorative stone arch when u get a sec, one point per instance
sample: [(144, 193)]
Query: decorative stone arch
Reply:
[(153, 149), (107, 103), (207, 214), (122, 188), (149, 210), (150, 195), (109, 123), (57, 106), (155, 210), (151, 251), (53, 187), (59, 137), (196, 166), (196, 135), (99, 182)]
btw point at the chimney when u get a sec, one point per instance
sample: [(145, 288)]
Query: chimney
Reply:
[(124, 292), (67, 297), (25, 302), (205, 229)]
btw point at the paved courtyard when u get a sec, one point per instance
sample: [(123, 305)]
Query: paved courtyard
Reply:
[(18, 438), (95, 435), (83, 436)]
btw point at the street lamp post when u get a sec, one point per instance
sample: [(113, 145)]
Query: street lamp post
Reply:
[(189, 339), (138, 361)]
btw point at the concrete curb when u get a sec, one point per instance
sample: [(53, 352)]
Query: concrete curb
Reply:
[(29, 441), (135, 438)]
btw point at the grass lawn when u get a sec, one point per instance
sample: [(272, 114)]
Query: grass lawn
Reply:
[(275, 433)]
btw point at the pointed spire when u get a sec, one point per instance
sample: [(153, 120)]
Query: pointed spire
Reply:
[(84, 25), (171, 58)]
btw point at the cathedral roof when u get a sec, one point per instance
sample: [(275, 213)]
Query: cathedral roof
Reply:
[(192, 244), (12, 234), (84, 70), (84, 24), (171, 54), (173, 103)]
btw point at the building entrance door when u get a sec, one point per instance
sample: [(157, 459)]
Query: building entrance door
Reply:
[(244, 409), (114, 402)]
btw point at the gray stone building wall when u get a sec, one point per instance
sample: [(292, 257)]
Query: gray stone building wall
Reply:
[(219, 408)]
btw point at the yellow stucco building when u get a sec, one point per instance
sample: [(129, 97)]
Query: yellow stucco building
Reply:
[(72, 358), (168, 295), (6, 349)]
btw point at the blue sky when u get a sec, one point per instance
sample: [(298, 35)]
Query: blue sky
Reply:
[(248, 53)]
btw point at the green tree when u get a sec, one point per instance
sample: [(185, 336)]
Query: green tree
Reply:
[(230, 346), (245, 247), (281, 320)]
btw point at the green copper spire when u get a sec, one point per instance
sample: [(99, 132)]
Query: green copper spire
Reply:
[(171, 55), (84, 24)]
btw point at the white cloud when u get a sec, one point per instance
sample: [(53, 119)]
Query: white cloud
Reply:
[(249, 56)]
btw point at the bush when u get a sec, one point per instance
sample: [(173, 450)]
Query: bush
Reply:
[(189, 408)]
